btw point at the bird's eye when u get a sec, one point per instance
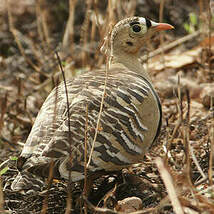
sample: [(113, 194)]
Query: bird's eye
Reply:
[(136, 28)]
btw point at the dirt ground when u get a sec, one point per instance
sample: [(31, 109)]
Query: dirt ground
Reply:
[(181, 65)]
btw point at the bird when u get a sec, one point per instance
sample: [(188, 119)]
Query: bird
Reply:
[(129, 123)]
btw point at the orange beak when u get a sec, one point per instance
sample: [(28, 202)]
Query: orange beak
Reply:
[(163, 26)]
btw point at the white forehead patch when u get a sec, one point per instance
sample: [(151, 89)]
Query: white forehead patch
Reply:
[(143, 21)]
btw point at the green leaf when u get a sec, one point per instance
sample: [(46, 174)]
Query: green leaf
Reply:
[(13, 158), (193, 19), (64, 63), (187, 27), (4, 170)]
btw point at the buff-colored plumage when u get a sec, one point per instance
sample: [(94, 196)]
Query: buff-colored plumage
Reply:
[(129, 124)]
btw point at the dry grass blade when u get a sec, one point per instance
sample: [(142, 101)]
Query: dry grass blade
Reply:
[(85, 31), (100, 112), (209, 36), (186, 139), (50, 176), (167, 179), (1, 197), (50, 179), (188, 203), (196, 162), (95, 22), (179, 100), (166, 142), (108, 60), (69, 199), (69, 31), (15, 34), (42, 14), (180, 110), (85, 157), (162, 33), (211, 159), (38, 22), (112, 7), (3, 107)]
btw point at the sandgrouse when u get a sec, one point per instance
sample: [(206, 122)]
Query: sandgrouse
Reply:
[(130, 120)]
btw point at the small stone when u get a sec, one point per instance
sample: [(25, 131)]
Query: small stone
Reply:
[(129, 205)]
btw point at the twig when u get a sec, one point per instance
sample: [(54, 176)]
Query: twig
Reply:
[(1, 197), (166, 142), (209, 36), (98, 120), (69, 31), (167, 179), (3, 107), (210, 171), (95, 19), (111, 10), (202, 180), (186, 140), (68, 207), (50, 180), (38, 21), (15, 32), (196, 162), (50, 175), (85, 157), (44, 10), (162, 33), (101, 109), (85, 31), (179, 108), (170, 45)]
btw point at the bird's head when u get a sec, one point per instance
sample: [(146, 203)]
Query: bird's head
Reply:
[(130, 34)]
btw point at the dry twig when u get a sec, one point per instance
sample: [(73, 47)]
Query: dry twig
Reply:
[(69, 31), (167, 179), (69, 199), (15, 33), (100, 112), (1, 197), (85, 157), (211, 158)]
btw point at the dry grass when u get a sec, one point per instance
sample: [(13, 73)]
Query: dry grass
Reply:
[(181, 156)]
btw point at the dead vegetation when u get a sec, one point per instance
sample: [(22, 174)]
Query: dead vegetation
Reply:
[(177, 174)]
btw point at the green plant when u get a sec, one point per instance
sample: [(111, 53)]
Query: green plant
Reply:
[(4, 170), (192, 24)]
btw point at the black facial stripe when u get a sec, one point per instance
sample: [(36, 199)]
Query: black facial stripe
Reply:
[(129, 43), (148, 23), (133, 23)]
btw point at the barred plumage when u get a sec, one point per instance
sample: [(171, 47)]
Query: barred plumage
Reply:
[(129, 124)]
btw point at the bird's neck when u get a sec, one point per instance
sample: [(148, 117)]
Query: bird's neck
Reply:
[(131, 61)]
